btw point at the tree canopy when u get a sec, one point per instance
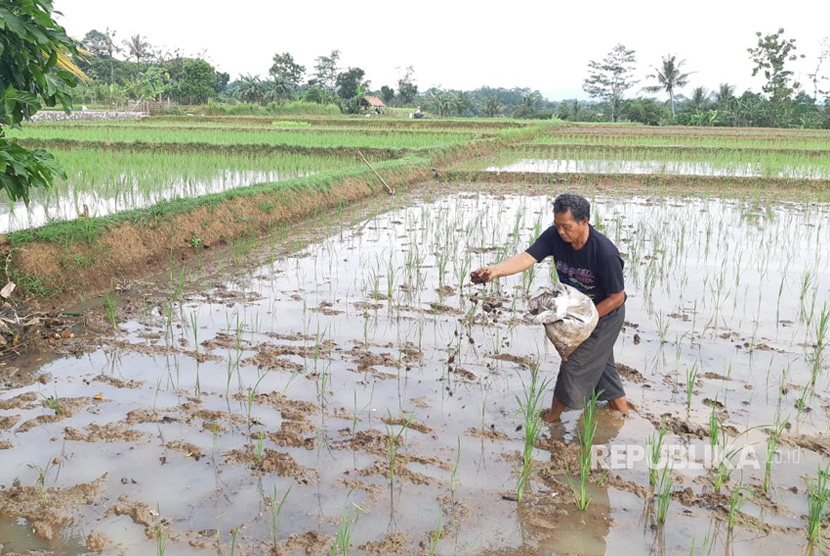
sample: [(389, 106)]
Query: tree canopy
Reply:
[(35, 70)]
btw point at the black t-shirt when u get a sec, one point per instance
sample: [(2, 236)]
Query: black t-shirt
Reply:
[(596, 269)]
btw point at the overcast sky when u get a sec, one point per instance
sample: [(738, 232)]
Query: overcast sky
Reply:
[(465, 44)]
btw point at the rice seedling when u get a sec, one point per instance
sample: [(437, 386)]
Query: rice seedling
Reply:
[(530, 407), (194, 326), (394, 440), (818, 496), (343, 536), (664, 492), (40, 481), (691, 379), (436, 534), (715, 427), (772, 445), (53, 403), (454, 475), (111, 307), (161, 533), (736, 503), (582, 491), (654, 447), (260, 445), (276, 503)]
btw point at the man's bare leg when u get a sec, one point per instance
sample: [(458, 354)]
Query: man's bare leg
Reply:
[(619, 404), (552, 415)]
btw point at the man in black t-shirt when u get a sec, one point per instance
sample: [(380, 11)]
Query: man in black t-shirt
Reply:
[(588, 261)]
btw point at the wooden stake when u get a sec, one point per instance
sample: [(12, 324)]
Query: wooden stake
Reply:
[(389, 189)]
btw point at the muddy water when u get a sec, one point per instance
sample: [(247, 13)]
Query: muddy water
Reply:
[(268, 371)]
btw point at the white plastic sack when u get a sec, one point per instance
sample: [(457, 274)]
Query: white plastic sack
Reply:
[(569, 316)]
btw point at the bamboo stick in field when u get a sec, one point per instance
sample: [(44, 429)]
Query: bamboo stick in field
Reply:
[(391, 191)]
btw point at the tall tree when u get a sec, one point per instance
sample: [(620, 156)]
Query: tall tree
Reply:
[(610, 79), (724, 96), (197, 83), (286, 73), (387, 94), (816, 76), (35, 70), (326, 70), (699, 101), (407, 89), (349, 82), (492, 106), (250, 89), (138, 48), (103, 46), (669, 78), (770, 57)]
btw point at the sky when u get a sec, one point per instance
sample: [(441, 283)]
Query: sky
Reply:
[(451, 44)]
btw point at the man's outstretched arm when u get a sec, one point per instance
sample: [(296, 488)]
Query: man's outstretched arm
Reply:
[(513, 265)]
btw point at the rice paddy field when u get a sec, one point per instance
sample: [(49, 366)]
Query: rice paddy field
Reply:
[(339, 386)]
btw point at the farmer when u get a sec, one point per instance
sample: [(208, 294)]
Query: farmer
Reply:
[(588, 261)]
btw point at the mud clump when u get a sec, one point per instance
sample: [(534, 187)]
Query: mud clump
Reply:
[(271, 461), (47, 508), (630, 373), (97, 542), (139, 512), (390, 544), (107, 433)]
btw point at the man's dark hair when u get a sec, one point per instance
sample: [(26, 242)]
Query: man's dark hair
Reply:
[(579, 206)]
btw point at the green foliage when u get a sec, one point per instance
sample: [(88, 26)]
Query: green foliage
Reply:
[(286, 73), (407, 89), (197, 83), (610, 79), (770, 57), (34, 71)]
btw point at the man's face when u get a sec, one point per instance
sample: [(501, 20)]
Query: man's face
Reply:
[(569, 228)]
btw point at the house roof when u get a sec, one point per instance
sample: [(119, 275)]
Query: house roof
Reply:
[(373, 101)]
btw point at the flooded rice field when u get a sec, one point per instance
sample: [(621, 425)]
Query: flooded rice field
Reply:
[(126, 192), (670, 167), (357, 393)]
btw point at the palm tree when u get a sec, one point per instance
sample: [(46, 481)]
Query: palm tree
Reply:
[(700, 99), (724, 95), (251, 89), (493, 106), (138, 47), (669, 78)]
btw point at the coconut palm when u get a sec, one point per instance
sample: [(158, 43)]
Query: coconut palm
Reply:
[(669, 78), (724, 95)]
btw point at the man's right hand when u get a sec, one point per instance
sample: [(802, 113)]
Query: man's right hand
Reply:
[(483, 275)]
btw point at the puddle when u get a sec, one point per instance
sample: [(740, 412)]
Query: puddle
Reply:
[(311, 370)]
